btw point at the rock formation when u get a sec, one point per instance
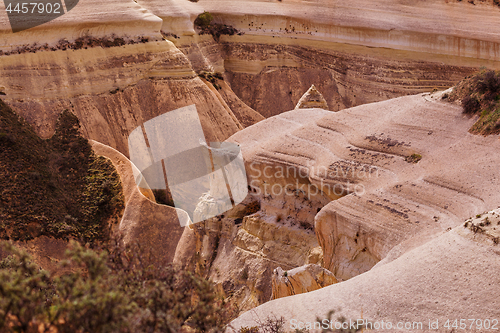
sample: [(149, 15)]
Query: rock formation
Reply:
[(154, 227), (177, 16), (338, 192), (300, 280), (240, 249), (122, 88), (441, 278), (394, 217), (312, 98), (431, 26)]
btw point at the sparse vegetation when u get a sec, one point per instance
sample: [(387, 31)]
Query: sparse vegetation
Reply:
[(413, 158), (79, 43), (56, 187), (480, 95), (212, 77), (204, 24), (204, 20), (484, 227), (271, 325), (306, 225), (358, 327)]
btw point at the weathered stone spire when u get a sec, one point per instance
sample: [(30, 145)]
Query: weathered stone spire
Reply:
[(312, 99)]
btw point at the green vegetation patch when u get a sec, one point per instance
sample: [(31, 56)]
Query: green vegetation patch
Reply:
[(106, 291), (205, 25), (212, 77), (413, 158), (479, 95), (56, 187)]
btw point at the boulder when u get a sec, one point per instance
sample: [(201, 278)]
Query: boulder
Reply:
[(300, 280)]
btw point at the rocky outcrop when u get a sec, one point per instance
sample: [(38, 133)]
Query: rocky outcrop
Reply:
[(300, 280), (432, 27), (354, 53), (155, 228), (385, 205), (346, 75), (441, 278), (123, 19), (177, 15), (114, 90), (485, 226), (240, 249), (400, 222), (312, 98)]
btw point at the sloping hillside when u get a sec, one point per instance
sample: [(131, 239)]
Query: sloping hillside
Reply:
[(405, 172), (54, 187)]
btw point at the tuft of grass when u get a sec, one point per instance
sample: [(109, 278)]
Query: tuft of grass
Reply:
[(413, 158)]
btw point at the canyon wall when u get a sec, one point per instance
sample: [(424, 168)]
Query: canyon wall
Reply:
[(331, 189), (114, 90), (355, 53), (435, 27), (271, 77)]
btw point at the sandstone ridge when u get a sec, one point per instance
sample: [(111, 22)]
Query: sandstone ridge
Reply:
[(390, 204), (441, 27)]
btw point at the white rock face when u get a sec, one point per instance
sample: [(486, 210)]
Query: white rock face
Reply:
[(397, 239), (88, 18), (177, 15), (300, 280), (437, 27)]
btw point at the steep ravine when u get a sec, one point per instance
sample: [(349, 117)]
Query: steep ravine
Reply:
[(240, 249), (287, 221)]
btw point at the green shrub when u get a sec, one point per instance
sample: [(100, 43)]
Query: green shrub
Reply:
[(112, 290), (480, 95), (413, 158), (203, 20), (470, 105), (205, 26)]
